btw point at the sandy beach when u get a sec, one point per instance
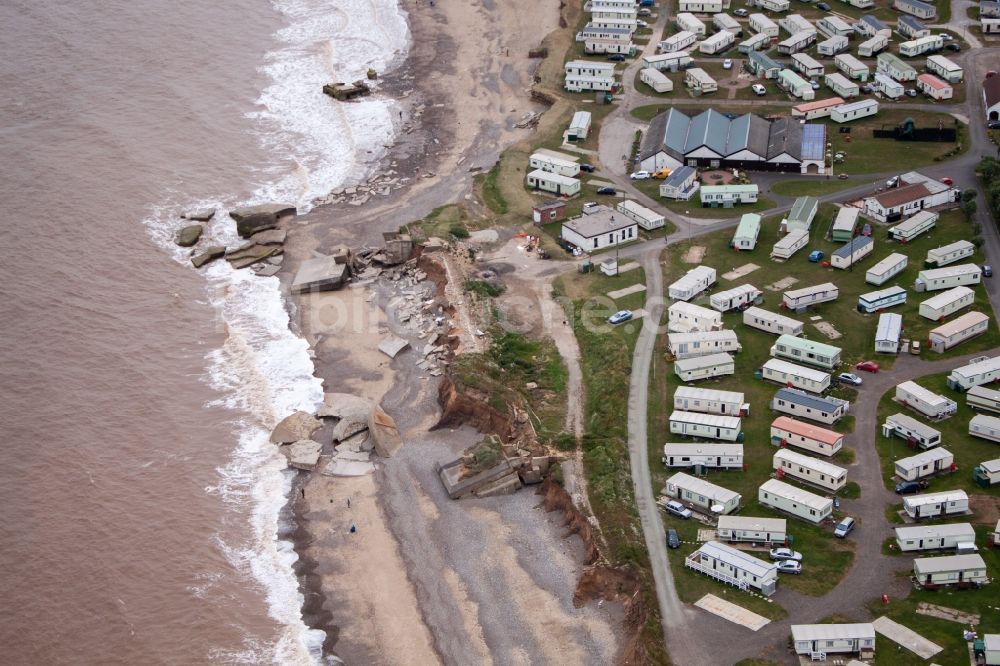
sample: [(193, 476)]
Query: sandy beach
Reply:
[(426, 579)]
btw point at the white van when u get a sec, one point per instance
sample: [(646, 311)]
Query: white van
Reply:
[(844, 527)]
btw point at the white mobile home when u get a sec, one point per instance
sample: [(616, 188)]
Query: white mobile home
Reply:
[(959, 330), (704, 367), (907, 230), (701, 494), (936, 308), (832, 46), (701, 6), (949, 254), (717, 43), (887, 86), (801, 215), (795, 402), (888, 332), (944, 68), (681, 184), (771, 322), (553, 162), (934, 537), (709, 401), (821, 639), (852, 252), (820, 108), (644, 217), (773, 5), (832, 26), (890, 65), (789, 244), (706, 426), (925, 463), (886, 269), (667, 62), (809, 470), (961, 570), (981, 398), (753, 529), (870, 47), (803, 504), (747, 232), (692, 283), (915, 433), (921, 46), (709, 456), (656, 80), (845, 224), (763, 25), (735, 298), (928, 403), (762, 65), (935, 279), (841, 85), (700, 83), (790, 374), (690, 345), (987, 474), (797, 42), (688, 22), (874, 301), (852, 67), (585, 75), (553, 182), (786, 431), (728, 23), (931, 505), (795, 23), (756, 42), (734, 567), (801, 350), (678, 42), (795, 299), (934, 87), (579, 127), (807, 65), (728, 196), (683, 317), (983, 370), (985, 427)]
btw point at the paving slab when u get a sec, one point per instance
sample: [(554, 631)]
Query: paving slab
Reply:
[(737, 273), (630, 266), (951, 614), (634, 289), (730, 611), (906, 637), (783, 283)]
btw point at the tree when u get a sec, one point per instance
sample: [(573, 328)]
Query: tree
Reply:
[(969, 208), (969, 194)]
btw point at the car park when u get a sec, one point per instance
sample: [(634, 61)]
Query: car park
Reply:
[(910, 487), (867, 366), (639, 175), (844, 527), (790, 567), (620, 316), (607, 190), (727, 63), (850, 378), (673, 541), (759, 89), (785, 554), (678, 509)]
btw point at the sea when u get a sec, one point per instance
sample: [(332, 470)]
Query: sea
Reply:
[(141, 500)]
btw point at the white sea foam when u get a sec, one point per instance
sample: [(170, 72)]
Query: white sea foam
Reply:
[(264, 370)]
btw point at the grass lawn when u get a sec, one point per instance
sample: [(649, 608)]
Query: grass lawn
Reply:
[(693, 207), (968, 451), (815, 187)]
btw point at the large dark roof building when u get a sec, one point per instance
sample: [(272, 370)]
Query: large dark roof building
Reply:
[(712, 139), (991, 97)]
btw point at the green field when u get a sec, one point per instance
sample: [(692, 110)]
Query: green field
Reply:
[(813, 187)]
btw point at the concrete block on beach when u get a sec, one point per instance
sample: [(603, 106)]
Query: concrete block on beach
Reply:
[(303, 454), (319, 274), (383, 429), (345, 406), (337, 467), (253, 219), (392, 345), (297, 426), (348, 428)]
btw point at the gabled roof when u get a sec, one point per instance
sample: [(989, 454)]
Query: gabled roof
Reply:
[(912, 23), (991, 91), (874, 22), (902, 195), (785, 137)]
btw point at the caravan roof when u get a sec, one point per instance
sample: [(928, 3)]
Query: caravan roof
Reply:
[(803, 497), (890, 325), (702, 487), (807, 430), (689, 364), (945, 297), (777, 365), (800, 397), (925, 531), (980, 367), (832, 632), (968, 320), (752, 523), (737, 558), (821, 466), (694, 393), (711, 420), (931, 565)]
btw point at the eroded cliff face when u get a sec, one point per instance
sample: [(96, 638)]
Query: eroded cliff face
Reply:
[(470, 406)]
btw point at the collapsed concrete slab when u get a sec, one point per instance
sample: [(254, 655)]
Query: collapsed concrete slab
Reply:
[(347, 468), (319, 274), (347, 428), (385, 433), (392, 346), (294, 427), (303, 454), (344, 406)]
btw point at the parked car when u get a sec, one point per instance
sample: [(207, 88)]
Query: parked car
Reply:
[(790, 567), (910, 487), (620, 316), (953, 47), (641, 23), (617, 57), (645, 11), (947, 181), (892, 182), (678, 509), (824, 6), (727, 63), (844, 527), (646, 3), (850, 378), (607, 190), (842, 176), (867, 366), (640, 175), (945, 37), (673, 541), (785, 554), (911, 92), (993, 124), (987, 270), (740, 12), (866, 89), (760, 90), (815, 84), (866, 230), (816, 256), (915, 347), (661, 174), (589, 168)]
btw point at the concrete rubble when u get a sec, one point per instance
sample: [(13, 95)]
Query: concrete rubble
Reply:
[(391, 346), (295, 427), (303, 454)]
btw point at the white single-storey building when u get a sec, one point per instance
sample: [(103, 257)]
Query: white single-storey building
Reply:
[(934, 87), (887, 86), (798, 376), (706, 426), (915, 192), (734, 567), (704, 367), (936, 308), (554, 162), (957, 331), (683, 317), (717, 42), (985, 427), (553, 182), (945, 68), (701, 6), (852, 252), (913, 431), (888, 332), (771, 322), (981, 398), (699, 81), (809, 470), (795, 402), (802, 350), (936, 279), (762, 24), (841, 85), (644, 217), (735, 298), (875, 301), (667, 62), (709, 401), (656, 80), (852, 67), (753, 529), (795, 299), (689, 345), (754, 43), (795, 85), (872, 45), (599, 229), (983, 370), (786, 498), (579, 127), (949, 254), (692, 283), (834, 26), (910, 228), (911, 28), (987, 474), (931, 505), (585, 75), (747, 232), (891, 65), (832, 46), (886, 269), (795, 23), (920, 46), (701, 494), (934, 537), (797, 42), (928, 403), (786, 431), (807, 65), (681, 184), (961, 570), (727, 196), (821, 639), (819, 108), (925, 463), (710, 456), (789, 244), (678, 41), (688, 22), (845, 223)]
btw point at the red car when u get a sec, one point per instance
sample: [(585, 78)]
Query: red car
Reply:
[(867, 366)]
